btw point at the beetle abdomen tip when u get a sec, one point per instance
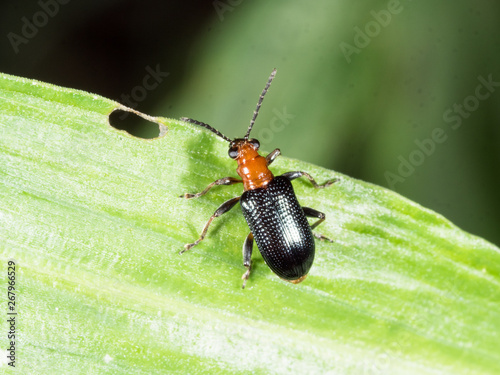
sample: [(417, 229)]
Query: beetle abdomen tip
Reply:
[(296, 281)]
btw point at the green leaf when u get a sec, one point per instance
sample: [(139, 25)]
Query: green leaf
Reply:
[(93, 219)]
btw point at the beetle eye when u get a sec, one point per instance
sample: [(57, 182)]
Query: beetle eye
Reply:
[(233, 152), (255, 143)]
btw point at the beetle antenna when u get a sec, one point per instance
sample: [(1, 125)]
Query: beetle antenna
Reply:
[(261, 98), (190, 120)]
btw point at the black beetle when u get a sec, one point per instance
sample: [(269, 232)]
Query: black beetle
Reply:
[(277, 221)]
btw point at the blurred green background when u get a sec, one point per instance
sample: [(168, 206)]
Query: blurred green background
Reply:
[(404, 94)]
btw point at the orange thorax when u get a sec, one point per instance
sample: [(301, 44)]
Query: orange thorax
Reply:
[(252, 168)]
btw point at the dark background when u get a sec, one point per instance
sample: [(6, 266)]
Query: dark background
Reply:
[(415, 74)]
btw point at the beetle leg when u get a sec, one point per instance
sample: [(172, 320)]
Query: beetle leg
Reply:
[(224, 207), (293, 175), (310, 212), (220, 181), (247, 258), (273, 155)]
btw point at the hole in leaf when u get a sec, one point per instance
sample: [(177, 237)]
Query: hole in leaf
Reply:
[(135, 124)]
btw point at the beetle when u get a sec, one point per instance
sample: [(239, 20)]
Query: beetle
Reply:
[(276, 220)]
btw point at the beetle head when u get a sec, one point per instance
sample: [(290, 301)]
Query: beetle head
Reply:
[(241, 145)]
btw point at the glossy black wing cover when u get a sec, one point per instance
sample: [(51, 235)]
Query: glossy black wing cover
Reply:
[(280, 228)]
